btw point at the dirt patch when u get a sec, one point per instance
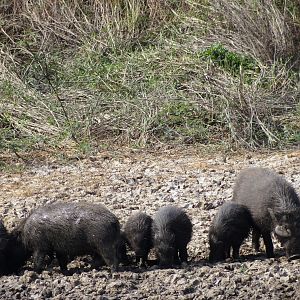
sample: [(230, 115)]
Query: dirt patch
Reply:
[(131, 181)]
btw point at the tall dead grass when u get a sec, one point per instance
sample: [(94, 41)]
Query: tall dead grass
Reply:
[(120, 105), (266, 30), (105, 23)]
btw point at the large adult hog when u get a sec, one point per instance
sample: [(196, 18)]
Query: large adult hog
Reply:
[(72, 229), (228, 229), (172, 231), (13, 254), (274, 206), (137, 232)]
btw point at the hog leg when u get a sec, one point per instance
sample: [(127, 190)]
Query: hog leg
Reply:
[(110, 256), (227, 251), (49, 259), (268, 244), (62, 261), (183, 254), (255, 239), (143, 261), (236, 250), (38, 260), (122, 254), (97, 261)]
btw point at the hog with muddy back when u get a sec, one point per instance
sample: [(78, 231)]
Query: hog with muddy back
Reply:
[(13, 255), (171, 231), (137, 231), (274, 206), (229, 228), (72, 229)]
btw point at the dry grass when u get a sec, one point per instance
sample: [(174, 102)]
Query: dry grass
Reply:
[(133, 72), (265, 30), (102, 24)]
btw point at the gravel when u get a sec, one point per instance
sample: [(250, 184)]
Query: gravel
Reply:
[(130, 181)]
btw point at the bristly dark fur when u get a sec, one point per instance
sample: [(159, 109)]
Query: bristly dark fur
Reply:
[(172, 231), (13, 254), (138, 235), (263, 191), (229, 229), (72, 229)]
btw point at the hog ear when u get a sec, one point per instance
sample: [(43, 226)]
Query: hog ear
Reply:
[(282, 232), (3, 243)]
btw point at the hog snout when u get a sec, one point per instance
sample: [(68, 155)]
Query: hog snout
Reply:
[(294, 256), (282, 231)]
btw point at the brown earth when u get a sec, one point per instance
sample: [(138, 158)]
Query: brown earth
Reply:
[(126, 181)]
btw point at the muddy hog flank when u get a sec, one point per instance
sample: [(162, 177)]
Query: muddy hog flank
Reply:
[(72, 229), (172, 231), (229, 228), (13, 254), (274, 206), (98, 260), (137, 232)]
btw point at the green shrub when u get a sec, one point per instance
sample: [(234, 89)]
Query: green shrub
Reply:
[(231, 62)]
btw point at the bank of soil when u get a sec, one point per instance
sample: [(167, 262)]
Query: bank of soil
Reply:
[(126, 182)]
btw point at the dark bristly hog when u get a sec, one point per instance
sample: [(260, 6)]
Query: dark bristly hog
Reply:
[(274, 206), (229, 229), (98, 260), (13, 254), (137, 232), (72, 229), (172, 231)]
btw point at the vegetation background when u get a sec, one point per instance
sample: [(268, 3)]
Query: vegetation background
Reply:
[(87, 74)]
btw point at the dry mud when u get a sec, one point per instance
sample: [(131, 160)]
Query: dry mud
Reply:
[(126, 182)]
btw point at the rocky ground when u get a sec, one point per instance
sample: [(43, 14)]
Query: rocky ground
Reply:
[(131, 181)]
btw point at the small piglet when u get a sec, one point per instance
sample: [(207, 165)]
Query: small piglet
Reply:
[(137, 232), (172, 231), (72, 229), (229, 228)]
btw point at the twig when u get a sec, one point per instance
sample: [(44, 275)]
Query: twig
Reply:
[(60, 100)]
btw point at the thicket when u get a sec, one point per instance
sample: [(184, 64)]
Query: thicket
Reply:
[(82, 73)]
